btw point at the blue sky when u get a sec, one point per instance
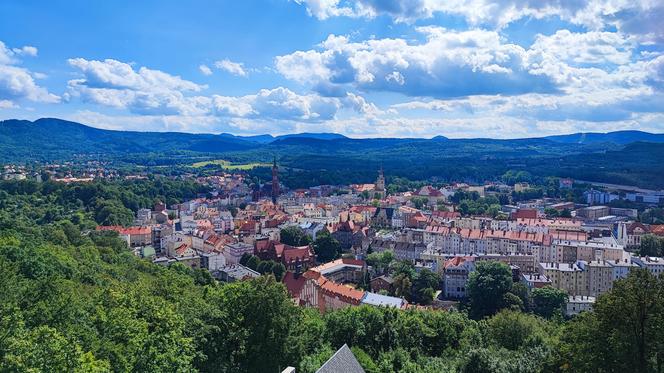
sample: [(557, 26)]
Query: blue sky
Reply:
[(364, 68)]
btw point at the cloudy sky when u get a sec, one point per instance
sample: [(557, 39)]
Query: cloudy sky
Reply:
[(364, 68)]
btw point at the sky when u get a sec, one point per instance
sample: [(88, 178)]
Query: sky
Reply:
[(362, 68)]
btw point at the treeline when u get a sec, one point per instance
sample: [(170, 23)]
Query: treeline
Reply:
[(100, 202)]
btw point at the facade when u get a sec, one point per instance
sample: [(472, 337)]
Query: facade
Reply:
[(535, 280), (566, 276), (577, 304), (379, 188), (234, 251), (653, 264), (455, 276)]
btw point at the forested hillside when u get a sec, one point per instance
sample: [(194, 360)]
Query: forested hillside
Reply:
[(75, 300), (628, 157)]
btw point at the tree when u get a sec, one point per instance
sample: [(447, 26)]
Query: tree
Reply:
[(326, 247), (402, 286), (548, 301), (651, 245), (380, 262), (419, 202), (624, 333), (252, 327), (566, 213), (294, 236), (253, 262), (515, 330), (551, 212), (487, 287)]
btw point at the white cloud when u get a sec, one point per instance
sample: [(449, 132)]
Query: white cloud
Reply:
[(155, 93), (324, 9), (18, 83), (26, 51), (283, 104), (117, 84), (641, 17), (235, 68), (205, 70), (447, 64)]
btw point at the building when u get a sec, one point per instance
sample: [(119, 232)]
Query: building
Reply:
[(455, 276), (383, 217), (577, 304), (535, 280), (408, 251), (379, 300), (135, 236), (566, 276), (379, 186), (594, 212), (621, 268), (342, 361), (384, 282), (599, 276), (235, 272), (629, 234), (653, 264), (234, 251)]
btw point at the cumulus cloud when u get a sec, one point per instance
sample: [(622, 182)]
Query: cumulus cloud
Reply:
[(205, 70), (235, 68), (18, 83), (447, 64), (283, 104), (27, 50), (144, 91), (642, 17), (155, 93)]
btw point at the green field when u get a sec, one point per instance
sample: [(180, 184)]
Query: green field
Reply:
[(229, 166)]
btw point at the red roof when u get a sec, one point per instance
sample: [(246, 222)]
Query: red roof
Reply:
[(130, 231), (497, 234), (446, 214), (525, 213), (294, 285), (457, 261), (292, 254), (657, 229)]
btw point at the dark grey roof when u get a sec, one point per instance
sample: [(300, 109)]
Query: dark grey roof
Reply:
[(343, 361)]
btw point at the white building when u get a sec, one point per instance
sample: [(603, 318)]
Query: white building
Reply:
[(577, 304)]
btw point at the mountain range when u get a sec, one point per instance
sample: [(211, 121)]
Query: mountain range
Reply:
[(627, 157), (39, 138)]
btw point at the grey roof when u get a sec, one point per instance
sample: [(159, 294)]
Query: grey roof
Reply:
[(379, 300), (343, 361)]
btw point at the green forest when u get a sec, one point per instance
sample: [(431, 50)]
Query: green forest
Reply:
[(76, 300)]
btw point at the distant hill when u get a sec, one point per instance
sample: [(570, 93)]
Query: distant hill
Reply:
[(617, 137), (318, 136), (56, 138), (624, 157)]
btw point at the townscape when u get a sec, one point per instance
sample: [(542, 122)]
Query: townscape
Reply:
[(332, 186)]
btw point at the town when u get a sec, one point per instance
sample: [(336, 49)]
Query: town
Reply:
[(336, 246)]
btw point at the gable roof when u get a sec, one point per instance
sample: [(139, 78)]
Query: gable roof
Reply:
[(342, 361)]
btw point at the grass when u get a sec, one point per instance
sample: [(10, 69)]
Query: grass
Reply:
[(227, 165)]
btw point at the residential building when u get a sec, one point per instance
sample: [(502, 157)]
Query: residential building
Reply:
[(578, 303), (456, 272)]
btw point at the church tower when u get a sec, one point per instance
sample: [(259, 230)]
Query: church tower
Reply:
[(379, 187), (275, 181)]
